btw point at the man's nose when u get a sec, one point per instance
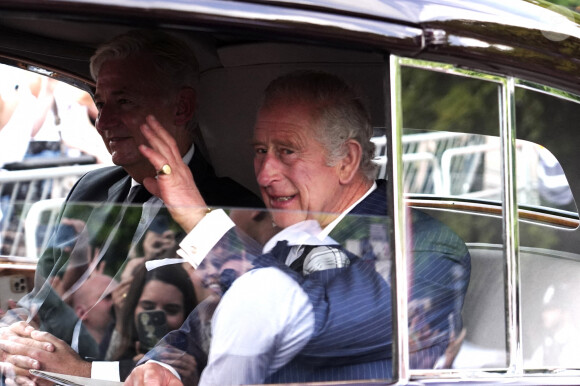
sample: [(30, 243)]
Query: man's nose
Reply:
[(267, 169), (106, 119)]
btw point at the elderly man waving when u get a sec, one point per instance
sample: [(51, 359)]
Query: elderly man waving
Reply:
[(310, 310)]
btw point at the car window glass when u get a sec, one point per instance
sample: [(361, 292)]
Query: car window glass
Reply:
[(447, 153), (544, 117), (47, 141), (455, 153), (97, 293), (450, 150), (548, 252)]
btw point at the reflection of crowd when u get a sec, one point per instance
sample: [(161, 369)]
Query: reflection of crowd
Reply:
[(110, 310), (166, 289), (560, 346)]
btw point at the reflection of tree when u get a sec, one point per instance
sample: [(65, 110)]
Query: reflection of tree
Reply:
[(533, 54), (443, 102), (539, 116), (571, 4), (435, 101)]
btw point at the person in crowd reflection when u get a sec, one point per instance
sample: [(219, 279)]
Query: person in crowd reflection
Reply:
[(159, 238), (560, 346), (167, 289), (138, 73), (318, 312), (93, 303), (206, 276), (253, 223)]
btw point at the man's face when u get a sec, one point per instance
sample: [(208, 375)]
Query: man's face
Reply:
[(291, 167), (99, 310), (126, 93)]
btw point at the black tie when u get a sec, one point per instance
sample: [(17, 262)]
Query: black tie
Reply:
[(138, 195), (119, 248)]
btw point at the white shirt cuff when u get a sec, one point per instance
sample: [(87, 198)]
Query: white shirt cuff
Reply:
[(197, 244), (106, 371), (168, 367)]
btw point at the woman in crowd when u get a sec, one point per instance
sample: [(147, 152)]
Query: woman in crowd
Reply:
[(168, 289)]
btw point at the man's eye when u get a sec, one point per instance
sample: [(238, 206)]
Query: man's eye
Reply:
[(260, 151), (124, 101), (286, 151)]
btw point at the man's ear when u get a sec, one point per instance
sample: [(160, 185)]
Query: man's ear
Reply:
[(350, 163), (186, 99)]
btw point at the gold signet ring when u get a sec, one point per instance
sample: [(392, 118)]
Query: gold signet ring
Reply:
[(165, 169)]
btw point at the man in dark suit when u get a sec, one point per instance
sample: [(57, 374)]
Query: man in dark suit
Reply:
[(317, 304), (137, 74)]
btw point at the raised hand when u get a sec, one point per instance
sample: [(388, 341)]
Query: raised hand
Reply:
[(174, 183)]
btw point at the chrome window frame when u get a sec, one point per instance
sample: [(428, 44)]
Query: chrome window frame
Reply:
[(510, 221)]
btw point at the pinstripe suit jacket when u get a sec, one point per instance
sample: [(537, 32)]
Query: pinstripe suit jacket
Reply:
[(352, 306), (352, 337)]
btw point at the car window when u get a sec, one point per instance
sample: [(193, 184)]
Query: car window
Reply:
[(549, 262), (55, 120), (452, 162), (114, 307), (449, 153), (47, 141)]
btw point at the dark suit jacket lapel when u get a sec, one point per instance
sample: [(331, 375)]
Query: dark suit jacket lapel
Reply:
[(356, 225), (203, 170), (374, 204), (119, 191)]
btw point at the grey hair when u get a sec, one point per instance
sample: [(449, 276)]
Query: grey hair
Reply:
[(337, 112), (173, 59)]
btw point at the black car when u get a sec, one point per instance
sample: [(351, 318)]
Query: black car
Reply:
[(475, 107)]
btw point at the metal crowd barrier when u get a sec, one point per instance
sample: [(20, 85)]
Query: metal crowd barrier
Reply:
[(20, 190)]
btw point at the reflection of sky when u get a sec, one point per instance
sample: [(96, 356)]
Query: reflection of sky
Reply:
[(10, 77), (454, 40), (557, 25), (520, 14)]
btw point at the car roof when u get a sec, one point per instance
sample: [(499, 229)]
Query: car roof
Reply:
[(530, 39), (527, 14)]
